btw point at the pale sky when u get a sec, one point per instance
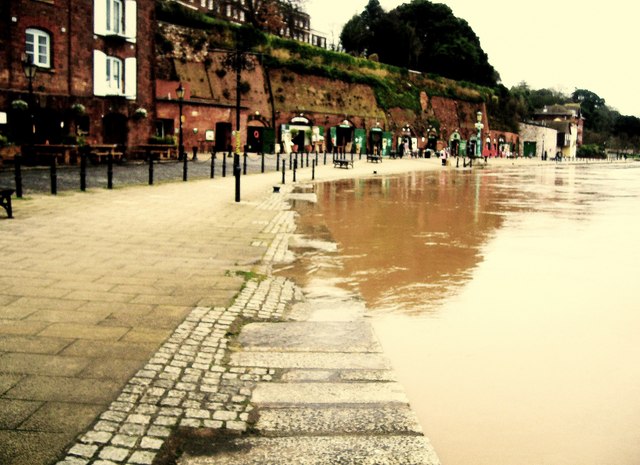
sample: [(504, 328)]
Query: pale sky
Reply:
[(557, 44)]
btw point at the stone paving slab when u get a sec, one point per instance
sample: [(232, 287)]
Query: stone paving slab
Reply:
[(284, 394), (334, 421), (362, 361), (330, 336), (320, 450)]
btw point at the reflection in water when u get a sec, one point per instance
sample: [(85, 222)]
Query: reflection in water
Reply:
[(506, 301), (409, 241)]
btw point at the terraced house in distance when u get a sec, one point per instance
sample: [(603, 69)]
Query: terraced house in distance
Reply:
[(76, 70), (282, 18)]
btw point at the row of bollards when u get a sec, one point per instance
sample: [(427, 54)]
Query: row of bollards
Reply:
[(296, 161)]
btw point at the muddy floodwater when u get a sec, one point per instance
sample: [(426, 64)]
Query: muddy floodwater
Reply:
[(507, 301)]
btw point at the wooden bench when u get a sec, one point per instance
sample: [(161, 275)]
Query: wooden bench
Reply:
[(5, 200), (374, 158), (156, 151), (342, 163), (98, 153), (64, 154)]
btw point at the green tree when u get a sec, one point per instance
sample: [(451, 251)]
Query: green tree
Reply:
[(426, 37), (355, 36)]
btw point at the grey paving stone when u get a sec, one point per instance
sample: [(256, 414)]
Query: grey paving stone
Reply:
[(356, 336), (335, 421), (320, 450), (269, 394), (310, 360)]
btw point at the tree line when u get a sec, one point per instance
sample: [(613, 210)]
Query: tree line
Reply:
[(427, 37), (422, 36), (604, 126)]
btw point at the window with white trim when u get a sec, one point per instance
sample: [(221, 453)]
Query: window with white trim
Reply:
[(114, 75), (38, 47), (115, 17)]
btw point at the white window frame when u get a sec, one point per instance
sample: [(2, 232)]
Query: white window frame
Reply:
[(40, 45), (114, 75), (115, 17)]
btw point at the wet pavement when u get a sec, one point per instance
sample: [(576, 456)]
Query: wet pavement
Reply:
[(137, 319), (120, 314)]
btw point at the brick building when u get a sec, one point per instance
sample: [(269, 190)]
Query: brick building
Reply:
[(297, 27), (94, 62)]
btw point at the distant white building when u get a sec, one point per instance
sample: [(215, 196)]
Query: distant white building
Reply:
[(537, 140)]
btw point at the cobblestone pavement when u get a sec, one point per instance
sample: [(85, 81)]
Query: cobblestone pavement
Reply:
[(186, 383)]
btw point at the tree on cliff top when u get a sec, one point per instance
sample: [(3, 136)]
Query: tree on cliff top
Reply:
[(421, 35), (271, 15)]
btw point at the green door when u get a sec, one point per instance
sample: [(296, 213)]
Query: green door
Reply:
[(387, 142), (333, 133), (529, 149), (359, 140), (269, 140)]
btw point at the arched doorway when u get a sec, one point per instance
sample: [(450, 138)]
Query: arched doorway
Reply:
[(455, 148), (297, 135), (114, 129)]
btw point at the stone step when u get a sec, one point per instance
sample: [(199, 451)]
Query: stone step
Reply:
[(301, 394), (309, 360), (309, 337), (319, 450), (334, 421)]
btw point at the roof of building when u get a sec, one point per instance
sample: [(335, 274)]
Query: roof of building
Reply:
[(559, 110)]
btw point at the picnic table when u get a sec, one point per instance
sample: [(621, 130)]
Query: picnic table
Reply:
[(64, 154), (100, 152), (157, 151)]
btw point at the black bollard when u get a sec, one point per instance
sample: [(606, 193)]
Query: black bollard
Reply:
[(224, 165), (295, 167), (290, 161), (150, 157), (325, 157), (313, 170), (277, 161), (262, 163), (244, 164), (236, 172), (83, 171), (284, 166), (213, 164), (54, 176), (109, 171), (307, 159), (18, 175), (195, 154), (184, 167)]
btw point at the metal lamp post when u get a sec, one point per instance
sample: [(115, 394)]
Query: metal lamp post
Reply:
[(479, 127), (30, 70), (180, 95)]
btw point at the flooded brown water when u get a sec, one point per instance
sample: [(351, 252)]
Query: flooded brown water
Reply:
[(507, 301)]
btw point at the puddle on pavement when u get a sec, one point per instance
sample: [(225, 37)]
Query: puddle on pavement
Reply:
[(505, 300)]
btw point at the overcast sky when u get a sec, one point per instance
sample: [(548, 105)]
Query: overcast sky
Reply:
[(558, 44)]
